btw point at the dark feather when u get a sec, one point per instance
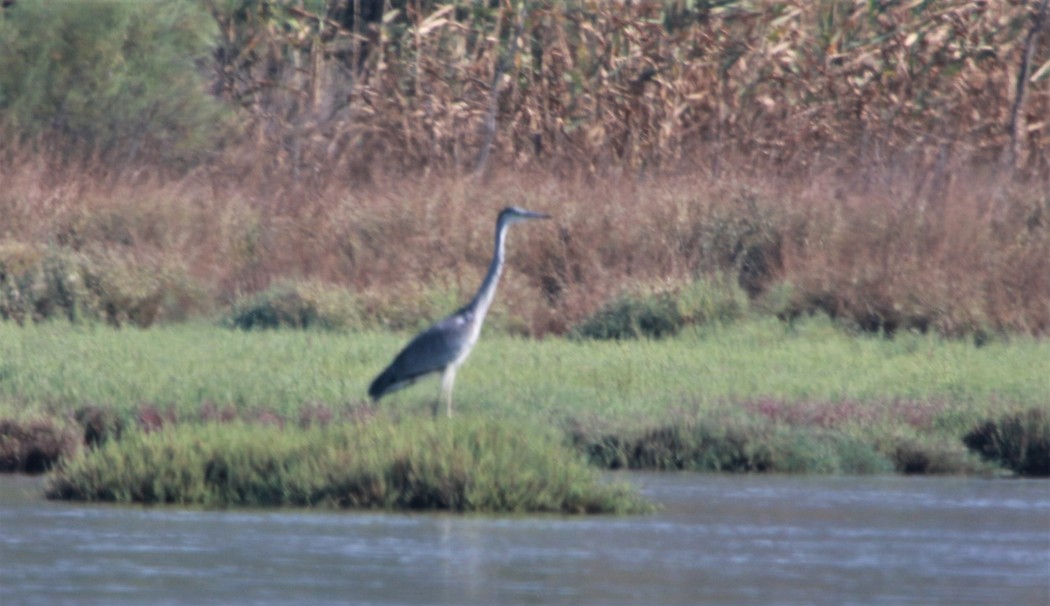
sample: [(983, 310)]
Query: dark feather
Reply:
[(431, 351)]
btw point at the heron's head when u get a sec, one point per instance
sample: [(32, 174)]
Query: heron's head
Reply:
[(513, 214)]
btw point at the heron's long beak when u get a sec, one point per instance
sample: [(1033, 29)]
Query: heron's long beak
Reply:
[(535, 215)]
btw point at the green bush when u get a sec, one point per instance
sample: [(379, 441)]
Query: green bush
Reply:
[(912, 455), (122, 79), (632, 317), (1019, 441), (41, 284), (662, 314), (37, 285), (713, 299), (745, 240), (295, 305), (100, 424), (465, 465)]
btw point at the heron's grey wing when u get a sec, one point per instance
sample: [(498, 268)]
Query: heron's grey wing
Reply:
[(434, 348), (430, 351)]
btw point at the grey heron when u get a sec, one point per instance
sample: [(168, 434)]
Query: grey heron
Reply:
[(445, 346)]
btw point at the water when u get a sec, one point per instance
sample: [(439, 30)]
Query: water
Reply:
[(720, 540)]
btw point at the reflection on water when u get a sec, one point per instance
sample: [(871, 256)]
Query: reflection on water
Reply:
[(720, 540)]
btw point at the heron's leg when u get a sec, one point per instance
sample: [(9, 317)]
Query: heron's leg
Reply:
[(447, 378)]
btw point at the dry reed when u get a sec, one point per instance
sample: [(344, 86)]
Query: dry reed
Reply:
[(832, 156)]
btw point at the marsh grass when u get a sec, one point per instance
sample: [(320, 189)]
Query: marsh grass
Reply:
[(729, 440), (463, 465), (721, 445), (755, 395), (811, 369)]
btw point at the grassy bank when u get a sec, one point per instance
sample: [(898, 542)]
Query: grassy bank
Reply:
[(759, 395)]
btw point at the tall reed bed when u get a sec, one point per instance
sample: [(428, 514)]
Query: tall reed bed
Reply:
[(596, 86)]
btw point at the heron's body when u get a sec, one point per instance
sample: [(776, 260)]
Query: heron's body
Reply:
[(445, 346)]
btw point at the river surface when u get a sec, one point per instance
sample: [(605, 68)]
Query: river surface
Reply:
[(718, 540)]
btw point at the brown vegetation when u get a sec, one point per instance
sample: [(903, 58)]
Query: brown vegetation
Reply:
[(880, 252), (838, 157), (35, 445), (629, 86)]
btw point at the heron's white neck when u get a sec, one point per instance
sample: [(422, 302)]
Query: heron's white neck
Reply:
[(487, 292)]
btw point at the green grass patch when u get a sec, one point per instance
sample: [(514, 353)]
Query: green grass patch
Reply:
[(463, 465)]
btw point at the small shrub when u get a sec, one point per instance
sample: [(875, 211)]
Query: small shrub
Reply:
[(744, 238), (633, 317), (911, 455), (695, 447), (662, 314), (295, 305), (132, 291), (38, 285), (1019, 441), (712, 299), (34, 445), (782, 299), (99, 424)]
